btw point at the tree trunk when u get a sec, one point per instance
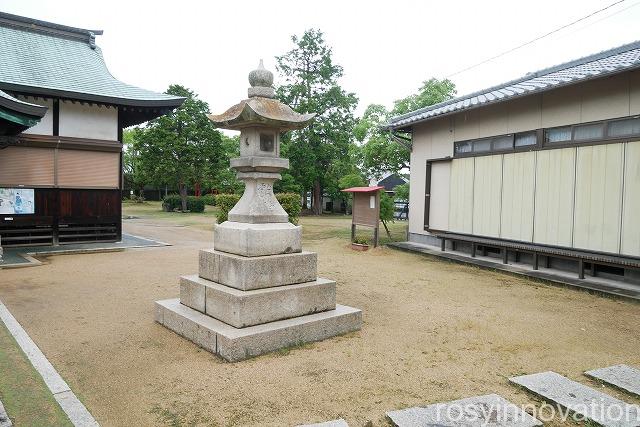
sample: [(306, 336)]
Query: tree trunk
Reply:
[(305, 206), (316, 204), (386, 228), (197, 189), (183, 196)]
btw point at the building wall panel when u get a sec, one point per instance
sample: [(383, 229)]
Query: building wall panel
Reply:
[(487, 188), (634, 92), (630, 241), (605, 98), (555, 185), (598, 199), (45, 126), (519, 172), (88, 121), (461, 196), (87, 169), (26, 166), (439, 202)]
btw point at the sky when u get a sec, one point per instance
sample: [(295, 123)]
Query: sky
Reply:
[(387, 48)]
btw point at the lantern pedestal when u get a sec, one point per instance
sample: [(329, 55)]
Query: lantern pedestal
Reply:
[(256, 291)]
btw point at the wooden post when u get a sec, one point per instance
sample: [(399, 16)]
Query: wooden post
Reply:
[(442, 244), (535, 260), (580, 268), (505, 256), (353, 232), (593, 269), (473, 250), (376, 234)]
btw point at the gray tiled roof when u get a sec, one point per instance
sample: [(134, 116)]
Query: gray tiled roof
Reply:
[(14, 104), (49, 59), (614, 61)]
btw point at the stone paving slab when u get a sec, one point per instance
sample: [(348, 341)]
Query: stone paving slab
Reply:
[(580, 399), (4, 418), (488, 410), (334, 423), (22, 256), (622, 376)]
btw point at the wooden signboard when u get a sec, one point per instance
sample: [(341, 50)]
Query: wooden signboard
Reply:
[(366, 210)]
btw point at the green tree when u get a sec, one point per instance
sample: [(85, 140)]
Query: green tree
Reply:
[(401, 192), (180, 148), (386, 210), (382, 152), (132, 170), (310, 85)]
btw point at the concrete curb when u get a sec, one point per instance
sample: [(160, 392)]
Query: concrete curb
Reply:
[(70, 404)]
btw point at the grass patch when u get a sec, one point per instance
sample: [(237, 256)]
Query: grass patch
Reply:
[(24, 394)]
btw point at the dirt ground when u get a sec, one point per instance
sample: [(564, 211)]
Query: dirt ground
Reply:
[(433, 331)]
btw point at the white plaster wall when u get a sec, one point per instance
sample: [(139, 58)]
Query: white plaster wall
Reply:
[(45, 127), (88, 121)]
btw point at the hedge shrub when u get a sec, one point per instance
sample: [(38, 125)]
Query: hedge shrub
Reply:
[(292, 204), (225, 202), (289, 201), (173, 202), (209, 199)]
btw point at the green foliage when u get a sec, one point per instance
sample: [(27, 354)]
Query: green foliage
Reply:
[(401, 192), (352, 180), (287, 184), (360, 240), (173, 202), (289, 201), (208, 199), (320, 154), (225, 202), (292, 204), (380, 152), (386, 207), (180, 148)]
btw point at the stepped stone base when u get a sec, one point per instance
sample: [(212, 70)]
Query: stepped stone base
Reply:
[(246, 273), (247, 308), (258, 239), (235, 344)]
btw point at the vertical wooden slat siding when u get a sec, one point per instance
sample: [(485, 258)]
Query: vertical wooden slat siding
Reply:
[(26, 166), (487, 188), (85, 169), (518, 196), (630, 244), (439, 206), (461, 195), (598, 197), (555, 186)]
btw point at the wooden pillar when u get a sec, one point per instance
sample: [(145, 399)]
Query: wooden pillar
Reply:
[(547, 261), (376, 235), (473, 250), (353, 232), (442, 244), (593, 269), (535, 260), (505, 256)]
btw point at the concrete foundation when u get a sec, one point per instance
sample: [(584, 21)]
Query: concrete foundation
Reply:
[(235, 344)]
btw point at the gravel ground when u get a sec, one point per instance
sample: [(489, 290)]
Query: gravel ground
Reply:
[(433, 331)]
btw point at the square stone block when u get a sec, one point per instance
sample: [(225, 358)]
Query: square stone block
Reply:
[(235, 344), (192, 294), (247, 308), (257, 239), (248, 273)]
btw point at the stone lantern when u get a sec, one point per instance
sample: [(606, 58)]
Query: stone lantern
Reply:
[(257, 290)]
